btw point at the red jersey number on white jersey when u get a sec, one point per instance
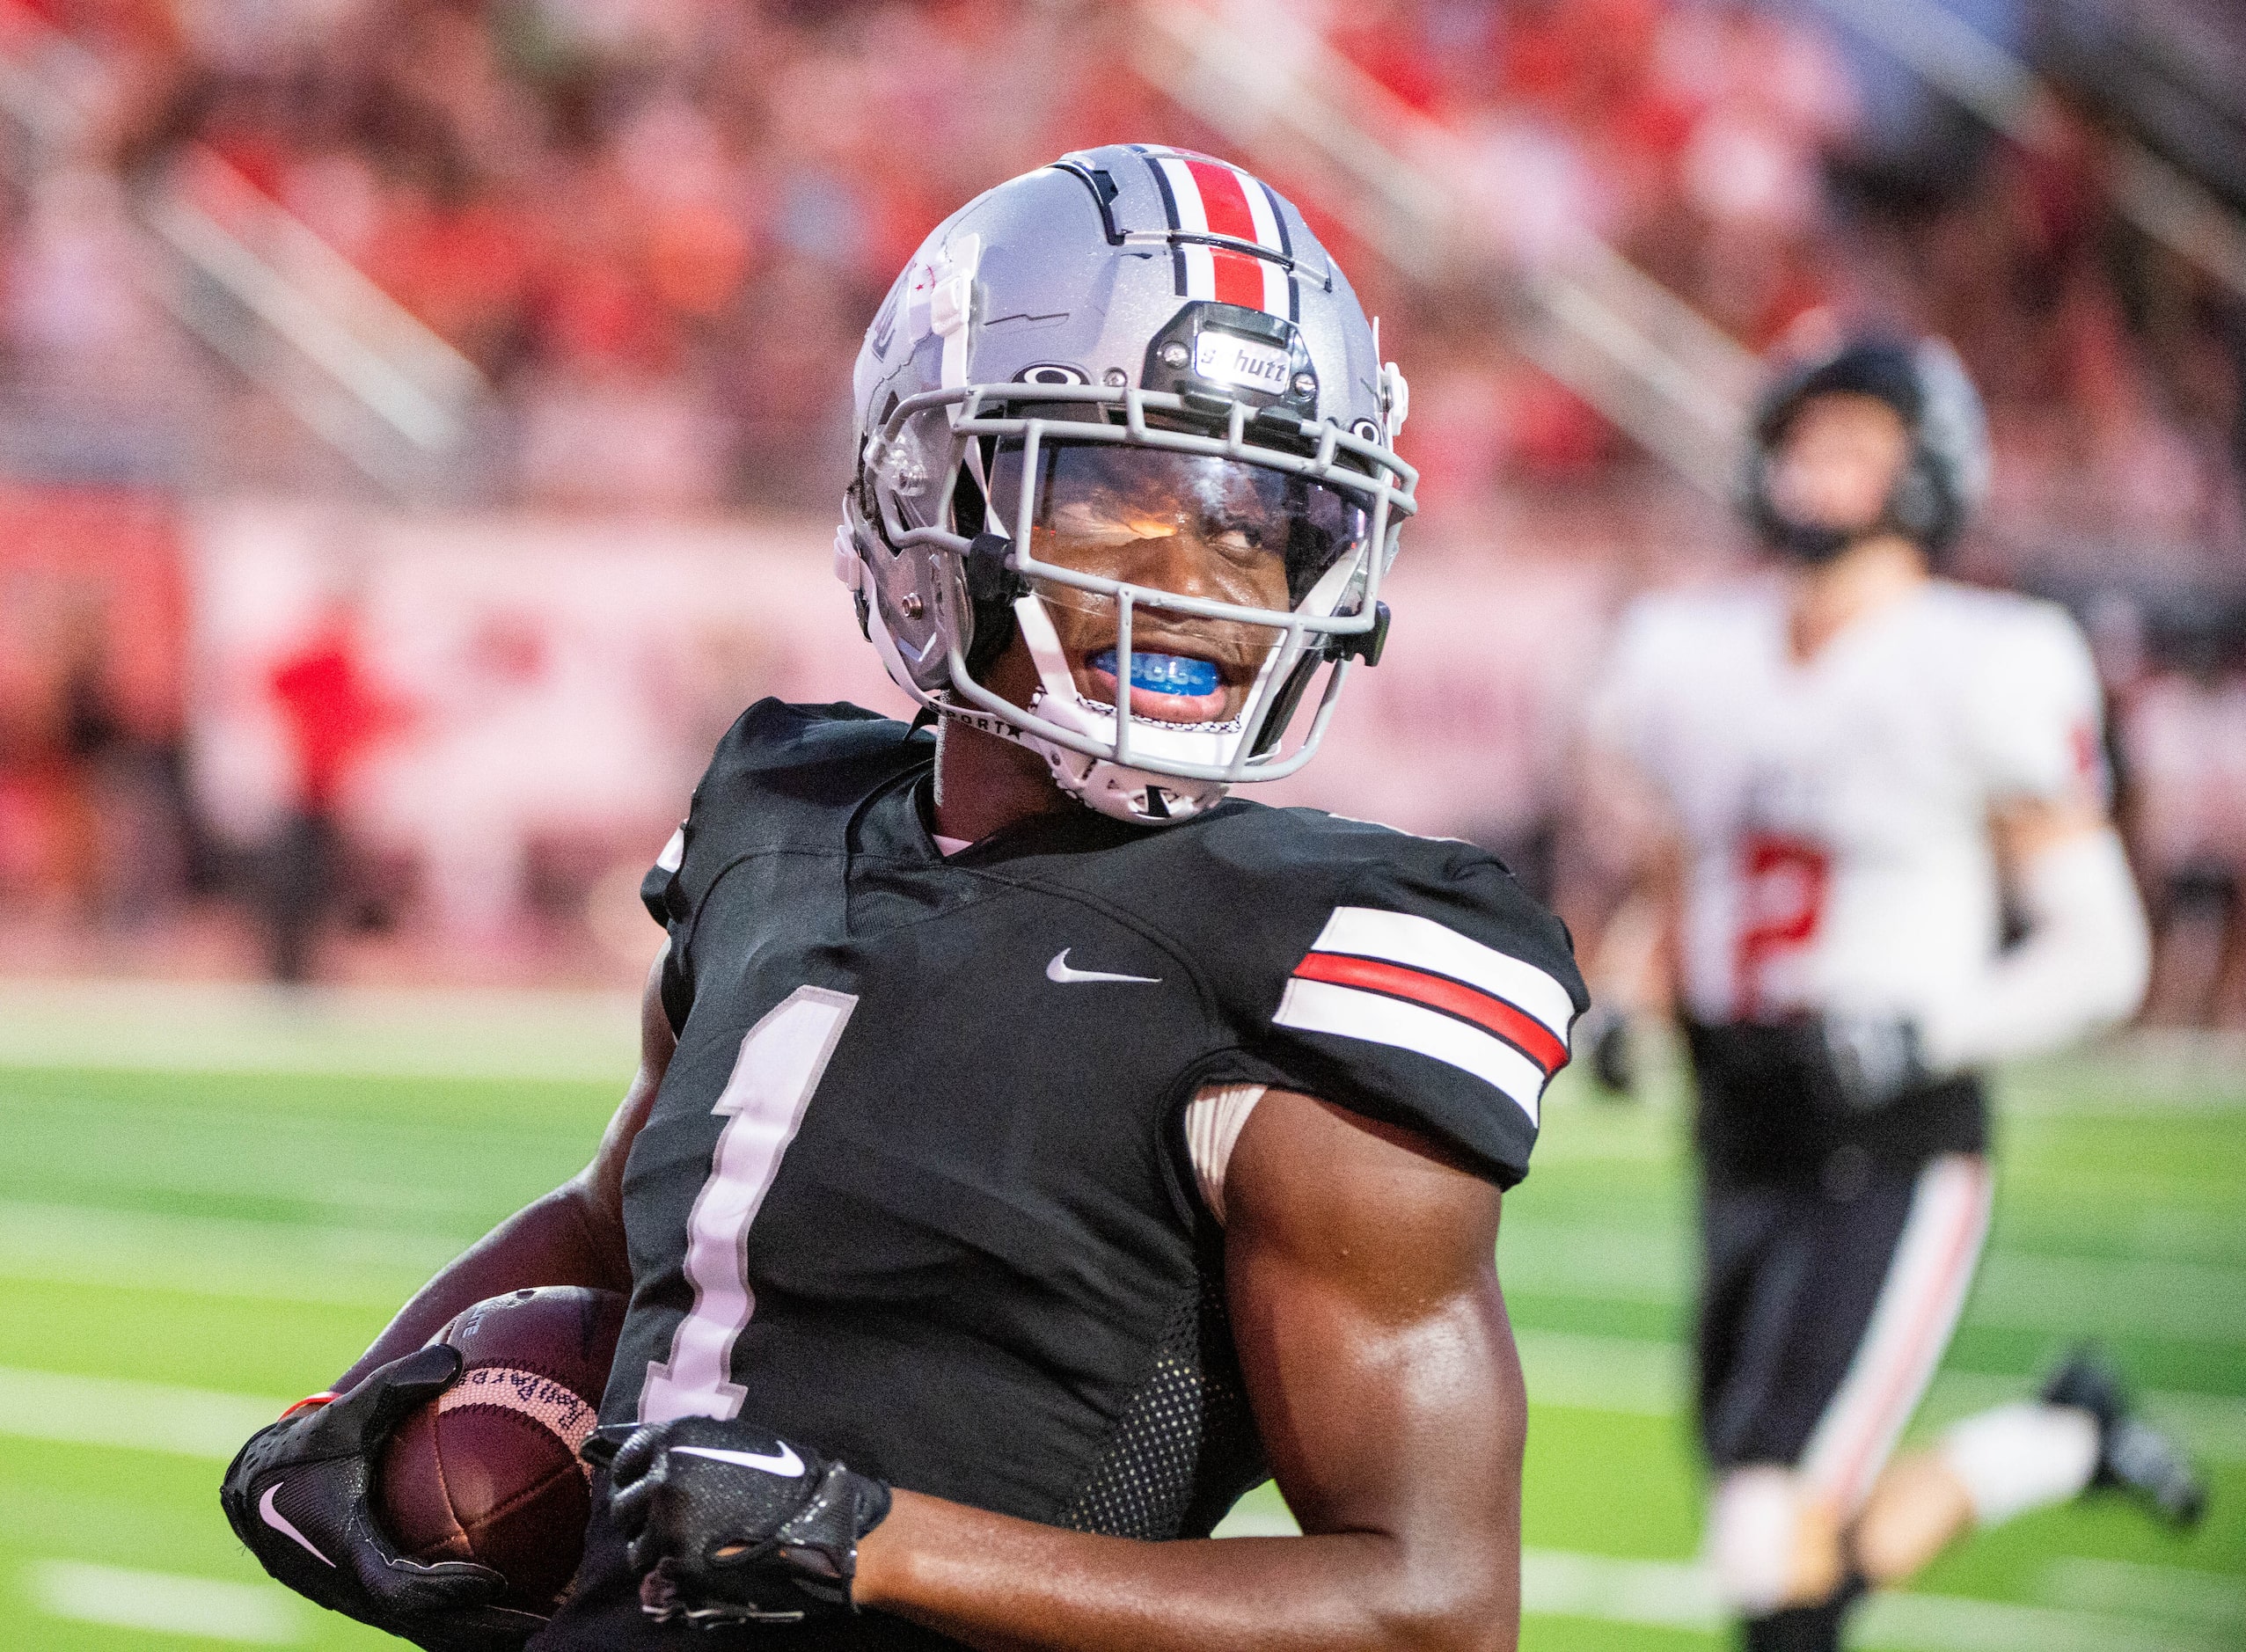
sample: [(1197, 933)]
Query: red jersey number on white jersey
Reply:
[(1783, 881)]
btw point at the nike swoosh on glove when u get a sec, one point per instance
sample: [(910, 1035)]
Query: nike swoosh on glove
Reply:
[(297, 1494), (728, 1523)]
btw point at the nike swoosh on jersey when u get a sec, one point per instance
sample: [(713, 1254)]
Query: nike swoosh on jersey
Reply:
[(1058, 971), (785, 1463), (279, 1522)]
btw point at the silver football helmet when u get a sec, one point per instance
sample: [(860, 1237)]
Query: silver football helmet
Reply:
[(1125, 408)]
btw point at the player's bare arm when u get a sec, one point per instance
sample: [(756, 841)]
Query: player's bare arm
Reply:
[(573, 1236), (1386, 1385)]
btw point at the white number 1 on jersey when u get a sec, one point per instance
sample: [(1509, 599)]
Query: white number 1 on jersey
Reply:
[(781, 1062)]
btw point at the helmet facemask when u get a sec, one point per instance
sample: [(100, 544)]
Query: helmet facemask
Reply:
[(1179, 572)]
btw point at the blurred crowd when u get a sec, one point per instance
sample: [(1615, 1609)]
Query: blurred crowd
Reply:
[(655, 229)]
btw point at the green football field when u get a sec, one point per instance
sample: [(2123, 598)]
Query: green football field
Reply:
[(209, 1202)]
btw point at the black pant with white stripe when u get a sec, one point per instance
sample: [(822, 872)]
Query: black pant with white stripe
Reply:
[(1837, 1251), (1823, 1314), (1837, 1248)]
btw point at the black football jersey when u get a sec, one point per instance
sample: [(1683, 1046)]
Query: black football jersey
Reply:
[(915, 1189)]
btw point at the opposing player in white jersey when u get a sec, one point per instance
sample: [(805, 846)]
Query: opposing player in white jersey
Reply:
[(1857, 767)]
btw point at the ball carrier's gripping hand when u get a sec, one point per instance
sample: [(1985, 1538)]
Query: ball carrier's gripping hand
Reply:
[(727, 1524), (297, 1494)]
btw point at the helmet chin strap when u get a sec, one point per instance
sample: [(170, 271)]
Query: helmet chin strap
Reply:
[(1814, 546), (1113, 789)]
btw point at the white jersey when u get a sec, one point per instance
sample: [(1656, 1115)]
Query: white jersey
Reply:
[(1835, 812)]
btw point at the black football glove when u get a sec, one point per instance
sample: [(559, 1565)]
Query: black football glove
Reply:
[(1873, 1060), (1604, 1036), (727, 1524), (297, 1494)]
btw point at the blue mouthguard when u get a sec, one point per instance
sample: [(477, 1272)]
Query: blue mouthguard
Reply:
[(1163, 673)]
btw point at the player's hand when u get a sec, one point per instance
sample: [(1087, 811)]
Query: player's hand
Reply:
[(727, 1524), (1873, 1059), (297, 1494), (1604, 1036)]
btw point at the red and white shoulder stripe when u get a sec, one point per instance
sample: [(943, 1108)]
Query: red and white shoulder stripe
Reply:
[(1229, 241), (1408, 981)]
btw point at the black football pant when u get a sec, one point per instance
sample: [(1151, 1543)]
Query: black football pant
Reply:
[(1825, 1305)]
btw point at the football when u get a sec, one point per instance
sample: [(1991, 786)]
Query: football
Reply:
[(488, 1469)]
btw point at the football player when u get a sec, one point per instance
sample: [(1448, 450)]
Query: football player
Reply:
[(1856, 768), (1033, 1147)]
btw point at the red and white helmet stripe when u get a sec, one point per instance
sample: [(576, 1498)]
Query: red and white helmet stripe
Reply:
[(1210, 203)]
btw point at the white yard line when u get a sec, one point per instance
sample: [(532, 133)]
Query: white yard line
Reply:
[(1949, 1623), (2158, 1069), (1680, 1595), (2187, 1301), (254, 1615), (222, 1256), (2214, 1600), (235, 1256), (2200, 1302), (218, 1027), (1658, 1594), (1646, 1378), (139, 1416), (1605, 1373)]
